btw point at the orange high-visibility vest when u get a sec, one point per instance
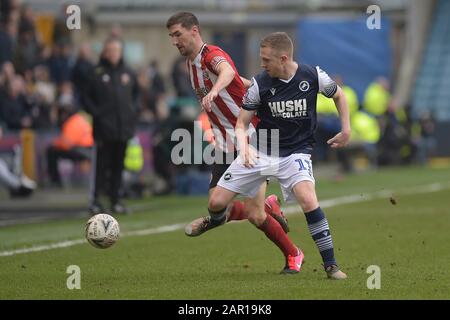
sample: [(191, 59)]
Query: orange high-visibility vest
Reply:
[(76, 132)]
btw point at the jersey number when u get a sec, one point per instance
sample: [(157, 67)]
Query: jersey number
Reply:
[(304, 165)]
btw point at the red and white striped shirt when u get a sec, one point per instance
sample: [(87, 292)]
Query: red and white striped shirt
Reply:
[(225, 108)]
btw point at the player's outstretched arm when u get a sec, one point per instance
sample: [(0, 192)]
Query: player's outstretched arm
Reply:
[(342, 138), (226, 75), (246, 152)]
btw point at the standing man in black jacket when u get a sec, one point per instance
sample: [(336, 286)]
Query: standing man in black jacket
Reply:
[(111, 98)]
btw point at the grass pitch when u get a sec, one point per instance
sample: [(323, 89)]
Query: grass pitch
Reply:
[(408, 241)]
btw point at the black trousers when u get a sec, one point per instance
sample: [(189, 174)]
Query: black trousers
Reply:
[(54, 154), (109, 164)]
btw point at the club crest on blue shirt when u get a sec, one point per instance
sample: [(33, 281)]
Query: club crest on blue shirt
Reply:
[(304, 86)]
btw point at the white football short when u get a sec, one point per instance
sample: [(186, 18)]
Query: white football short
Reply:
[(288, 170)]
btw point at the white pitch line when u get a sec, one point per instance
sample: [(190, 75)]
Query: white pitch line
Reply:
[(289, 210), (355, 198), (70, 243), (57, 245)]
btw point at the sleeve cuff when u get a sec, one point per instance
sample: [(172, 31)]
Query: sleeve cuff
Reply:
[(250, 107)]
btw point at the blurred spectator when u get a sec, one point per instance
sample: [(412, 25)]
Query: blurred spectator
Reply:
[(394, 137), (192, 178), (377, 96), (74, 143), (82, 69), (111, 99), (62, 34), (59, 63), (133, 187), (66, 89), (365, 132), (7, 8), (7, 73), (153, 94), (42, 98), (350, 94), (44, 88), (157, 88), (365, 137), (146, 115), (116, 31), (424, 138), (14, 14), (184, 178), (8, 41), (28, 47), (27, 22), (45, 54), (207, 130), (180, 78), (328, 125), (162, 147), (18, 185), (14, 110)]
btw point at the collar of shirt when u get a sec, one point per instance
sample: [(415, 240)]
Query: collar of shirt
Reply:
[(199, 55)]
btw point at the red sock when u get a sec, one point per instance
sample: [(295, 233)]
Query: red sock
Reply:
[(275, 233), (237, 211)]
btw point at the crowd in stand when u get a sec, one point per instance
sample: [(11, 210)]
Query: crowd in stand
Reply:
[(34, 76), (381, 129), (41, 83), (39, 80)]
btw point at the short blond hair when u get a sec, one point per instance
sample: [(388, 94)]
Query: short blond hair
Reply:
[(279, 41)]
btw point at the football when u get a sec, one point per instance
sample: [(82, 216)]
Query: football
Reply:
[(102, 231)]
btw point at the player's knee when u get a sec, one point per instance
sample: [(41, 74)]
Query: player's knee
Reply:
[(255, 215), (257, 219), (216, 204), (309, 203)]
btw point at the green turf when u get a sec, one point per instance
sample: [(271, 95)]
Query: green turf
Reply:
[(408, 241)]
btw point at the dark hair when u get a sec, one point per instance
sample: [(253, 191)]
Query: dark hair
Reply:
[(186, 19)]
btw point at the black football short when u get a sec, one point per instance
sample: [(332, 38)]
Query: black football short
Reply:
[(218, 169)]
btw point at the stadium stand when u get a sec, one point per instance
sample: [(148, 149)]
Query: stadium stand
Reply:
[(431, 88)]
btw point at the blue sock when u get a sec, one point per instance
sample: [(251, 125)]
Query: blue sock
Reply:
[(320, 232)]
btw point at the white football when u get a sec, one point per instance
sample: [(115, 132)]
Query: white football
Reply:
[(102, 231)]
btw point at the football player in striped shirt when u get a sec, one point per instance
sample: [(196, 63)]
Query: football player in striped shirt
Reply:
[(220, 91)]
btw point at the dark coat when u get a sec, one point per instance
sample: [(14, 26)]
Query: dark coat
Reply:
[(111, 98)]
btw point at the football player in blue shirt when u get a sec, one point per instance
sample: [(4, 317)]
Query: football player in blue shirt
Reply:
[(284, 97)]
